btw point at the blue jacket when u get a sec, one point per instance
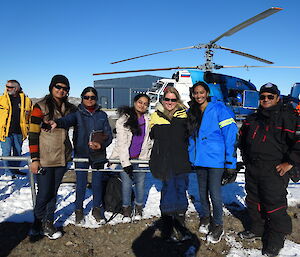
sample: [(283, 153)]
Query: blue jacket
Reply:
[(215, 143), (84, 123)]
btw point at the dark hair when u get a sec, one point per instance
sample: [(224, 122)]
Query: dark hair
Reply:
[(89, 89), (132, 121), (50, 101), (194, 114)]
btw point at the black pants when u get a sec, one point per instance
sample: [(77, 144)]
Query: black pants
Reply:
[(48, 184), (267, 203)]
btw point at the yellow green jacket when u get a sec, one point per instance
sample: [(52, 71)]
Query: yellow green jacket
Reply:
[(6, 112)]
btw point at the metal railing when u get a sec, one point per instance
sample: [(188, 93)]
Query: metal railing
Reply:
[(74, 160)]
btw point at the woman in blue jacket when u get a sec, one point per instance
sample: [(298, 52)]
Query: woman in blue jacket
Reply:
[(212, 148), (86, 119)]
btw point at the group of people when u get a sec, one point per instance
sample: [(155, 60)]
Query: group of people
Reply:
[(176, 140)]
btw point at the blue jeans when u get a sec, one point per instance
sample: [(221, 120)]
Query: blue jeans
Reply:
[(127, 183), (12, 142), (173, 195), (209, 182), (48, 184), (81, 182)]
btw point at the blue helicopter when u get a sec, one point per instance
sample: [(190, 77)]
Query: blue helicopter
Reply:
[(240, 95)]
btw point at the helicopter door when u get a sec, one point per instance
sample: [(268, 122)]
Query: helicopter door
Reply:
[(251, 99)]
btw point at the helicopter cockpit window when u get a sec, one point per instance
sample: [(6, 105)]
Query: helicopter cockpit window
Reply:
[(156, 86), (235, 97)]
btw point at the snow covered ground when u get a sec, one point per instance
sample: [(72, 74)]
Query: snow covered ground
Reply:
[(16, 205)]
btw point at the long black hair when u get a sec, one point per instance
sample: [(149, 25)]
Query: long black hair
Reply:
[(194, 113), (132, 121)]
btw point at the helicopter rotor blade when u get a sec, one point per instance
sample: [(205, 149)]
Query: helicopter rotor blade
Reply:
[(172, 50), (246, 55), (258, 66), (158, 69), (248, 22)]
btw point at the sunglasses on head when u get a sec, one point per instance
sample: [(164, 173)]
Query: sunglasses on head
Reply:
[(170, 99), (66, 89), (263, 97), (87, 97)]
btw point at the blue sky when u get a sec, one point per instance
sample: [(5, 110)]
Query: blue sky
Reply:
[(79, 38)]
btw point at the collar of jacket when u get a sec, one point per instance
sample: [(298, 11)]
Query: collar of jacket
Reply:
[(179, 113), (84, 110), (268, 112)]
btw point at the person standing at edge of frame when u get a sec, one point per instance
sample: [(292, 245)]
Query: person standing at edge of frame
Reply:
[(15, 109), (169, 162), (270, 147), (212, 150), (50, 153)]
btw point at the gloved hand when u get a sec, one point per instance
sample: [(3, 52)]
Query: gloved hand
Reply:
[(129, 171), (229, 176)]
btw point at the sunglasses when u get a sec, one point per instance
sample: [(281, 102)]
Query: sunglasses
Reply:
[(173, 100), (66, 89), (87, 97), (263, 97), (10, 87)]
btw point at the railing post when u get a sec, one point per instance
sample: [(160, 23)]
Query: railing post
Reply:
[(32, 183)]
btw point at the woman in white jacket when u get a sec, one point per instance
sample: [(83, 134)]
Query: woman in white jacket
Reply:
[(133, 142)]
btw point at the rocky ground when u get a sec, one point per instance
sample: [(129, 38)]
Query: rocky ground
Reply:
[(141, 239)]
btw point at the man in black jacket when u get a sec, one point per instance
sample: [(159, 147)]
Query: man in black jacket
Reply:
[(270, 148)]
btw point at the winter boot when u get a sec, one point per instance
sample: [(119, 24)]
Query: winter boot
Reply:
[(127, 211), (138, 212), (50, 231), (204, 225), (98, 214), (79, 216), (215, 234), (179, 224), (248, 235), (36, 229), (167, 228)]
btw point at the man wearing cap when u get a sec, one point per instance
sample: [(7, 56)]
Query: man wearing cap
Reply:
[(270, 147), (15, 108)]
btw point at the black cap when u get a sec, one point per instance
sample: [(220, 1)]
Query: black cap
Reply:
[(269, 88), (58, 79)]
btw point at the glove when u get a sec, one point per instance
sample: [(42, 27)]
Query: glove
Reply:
[(129, 171), (294, 173), (229, 176)]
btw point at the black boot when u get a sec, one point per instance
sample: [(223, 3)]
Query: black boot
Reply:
[(179, 223), (167, 228), (36, 229)]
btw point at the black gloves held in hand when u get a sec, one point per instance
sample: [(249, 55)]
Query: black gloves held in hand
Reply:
[(129, 171), (229, 176)]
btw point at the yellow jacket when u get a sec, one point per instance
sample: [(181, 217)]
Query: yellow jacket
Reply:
[(6, 112)]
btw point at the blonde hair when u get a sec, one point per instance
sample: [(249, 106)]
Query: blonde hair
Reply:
[(174, 91)]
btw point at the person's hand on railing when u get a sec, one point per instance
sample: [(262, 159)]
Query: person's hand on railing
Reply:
[(129, 171)]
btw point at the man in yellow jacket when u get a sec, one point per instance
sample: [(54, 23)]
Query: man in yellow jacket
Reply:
[(15, 109)]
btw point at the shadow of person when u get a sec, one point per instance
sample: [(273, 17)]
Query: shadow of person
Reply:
[(11, 234), (232, 194), (150, 243)]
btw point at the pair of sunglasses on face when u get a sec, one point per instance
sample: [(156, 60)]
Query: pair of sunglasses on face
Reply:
[(173, 100), (89, 97), (263, 97), (58, 87), (10, 87)]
